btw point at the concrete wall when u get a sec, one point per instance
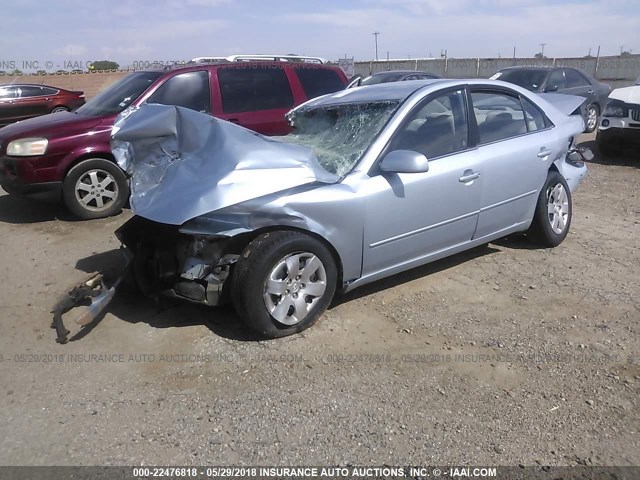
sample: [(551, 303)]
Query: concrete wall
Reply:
[(616, 71)]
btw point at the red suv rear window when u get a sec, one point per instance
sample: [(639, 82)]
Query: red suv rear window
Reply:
[(319, 81), (252, 89)]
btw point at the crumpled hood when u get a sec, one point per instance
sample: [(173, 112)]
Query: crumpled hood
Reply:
[(184, 164)]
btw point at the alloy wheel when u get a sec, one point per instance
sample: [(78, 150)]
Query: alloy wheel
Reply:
[(96, 190), (558, 208), (592, 118)]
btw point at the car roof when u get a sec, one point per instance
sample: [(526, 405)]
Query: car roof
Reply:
[(29, 85), (398, 91), (398, 72), (381, 92), (531, 68), (242, 64)]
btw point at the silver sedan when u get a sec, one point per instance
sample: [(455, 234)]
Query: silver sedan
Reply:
[(372, 181)]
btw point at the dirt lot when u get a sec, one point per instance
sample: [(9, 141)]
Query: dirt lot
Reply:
[(503, 355)]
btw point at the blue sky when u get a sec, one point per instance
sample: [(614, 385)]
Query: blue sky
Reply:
[(127, 31)]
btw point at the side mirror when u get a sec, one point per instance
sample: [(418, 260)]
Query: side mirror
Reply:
[(551, 88), (404, 161)]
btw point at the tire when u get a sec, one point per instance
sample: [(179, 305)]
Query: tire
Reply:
[(294, 302), (551, 228), (87, 196), (60, 109), (593, 115)]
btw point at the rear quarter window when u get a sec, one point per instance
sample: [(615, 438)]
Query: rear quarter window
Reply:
[(254, 88), (319, 81)]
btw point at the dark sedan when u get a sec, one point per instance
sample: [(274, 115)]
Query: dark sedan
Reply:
[(19, 102), (392, 76), (565, 80)]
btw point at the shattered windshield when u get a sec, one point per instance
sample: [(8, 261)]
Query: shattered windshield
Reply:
[(340, 134)]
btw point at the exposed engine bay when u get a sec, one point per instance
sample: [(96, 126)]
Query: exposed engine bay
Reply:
[(169, 262)]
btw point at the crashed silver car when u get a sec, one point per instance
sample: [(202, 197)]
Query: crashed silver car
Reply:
[(373, 181)]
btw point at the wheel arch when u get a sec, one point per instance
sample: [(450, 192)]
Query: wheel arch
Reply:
[(239, 242), (88, 156)]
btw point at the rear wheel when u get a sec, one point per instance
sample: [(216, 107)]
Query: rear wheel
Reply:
[(552, 217), (95, 188), (283, 282), (59, 109)]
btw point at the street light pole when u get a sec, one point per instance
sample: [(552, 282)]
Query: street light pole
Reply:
[(542, 52), (375, 34)]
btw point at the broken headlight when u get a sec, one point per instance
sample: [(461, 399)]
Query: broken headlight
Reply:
[(616, 108)]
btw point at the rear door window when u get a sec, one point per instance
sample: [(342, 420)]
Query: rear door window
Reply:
[(318, 81), (254, 88), (575, 78), (189, 90), (499, 116)]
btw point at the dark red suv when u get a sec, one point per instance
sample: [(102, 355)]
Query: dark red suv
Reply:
[(70, 151)]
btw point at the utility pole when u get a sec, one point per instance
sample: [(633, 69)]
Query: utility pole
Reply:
[(542, 51), (375, 34)]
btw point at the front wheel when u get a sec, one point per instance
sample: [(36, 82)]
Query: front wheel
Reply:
[(95, 188), (283, 282), (552, 218), (593, 114)]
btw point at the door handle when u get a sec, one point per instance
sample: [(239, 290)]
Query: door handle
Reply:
[(590, 92), (544, 152), (468, 176)]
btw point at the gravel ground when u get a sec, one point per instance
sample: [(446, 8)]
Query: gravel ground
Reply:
[(503, 355)]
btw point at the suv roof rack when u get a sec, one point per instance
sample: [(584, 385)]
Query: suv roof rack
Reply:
[(273, 58)]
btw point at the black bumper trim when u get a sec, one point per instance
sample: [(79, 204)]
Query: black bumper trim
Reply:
[(17, 188)]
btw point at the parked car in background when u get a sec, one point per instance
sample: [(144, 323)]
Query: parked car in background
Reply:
[(71, 152), (565, 80), (372, 181), (620, 123), (391, 76), (23, 101)]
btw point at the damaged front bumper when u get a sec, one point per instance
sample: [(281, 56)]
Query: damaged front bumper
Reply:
[(92, 295), (168, 262), (161, 260)]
